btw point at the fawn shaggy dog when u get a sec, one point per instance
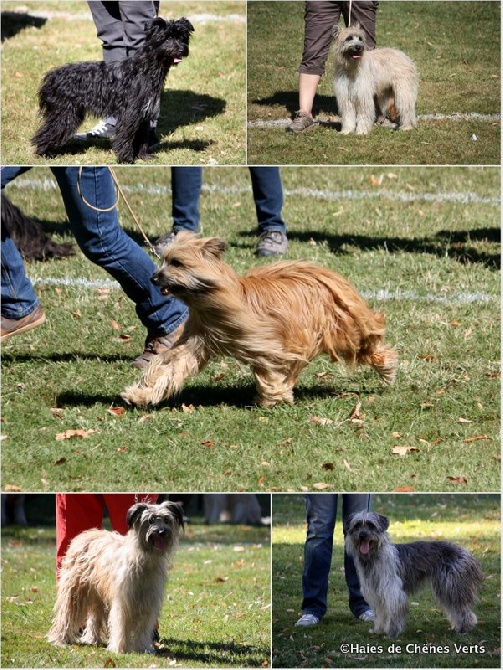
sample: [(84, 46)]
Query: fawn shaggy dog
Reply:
[(380, 83), (275, 318), (112, 586)]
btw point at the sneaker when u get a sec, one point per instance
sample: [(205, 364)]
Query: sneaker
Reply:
[(271, 243), (308, 619), (157, 344), (300, 122), (368, 615), (12, 327), (104, 130)]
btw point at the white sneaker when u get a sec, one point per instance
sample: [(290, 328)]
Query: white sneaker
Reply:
[(308, 620), (104, 130), (368, 615)]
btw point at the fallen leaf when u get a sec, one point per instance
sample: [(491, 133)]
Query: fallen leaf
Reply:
[(346, 464), (122, 450), (322, 421), (115, 325), (404, 489), (208, 443), (328, 466), (60, 461), (78, 432), (124, 338), (426, 405), (188, 409), (355, 412), (12, 488), (461, 479), (57, 412), (145, 417), (475, 438), (461, 420), (116, 411), (221, 579), (426, 357), (109, 663), (454, 323), (403, 450), (320, 486), (396, 434), (261, 480)]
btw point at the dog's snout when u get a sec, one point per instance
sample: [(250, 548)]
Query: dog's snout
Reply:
[(155, 278)]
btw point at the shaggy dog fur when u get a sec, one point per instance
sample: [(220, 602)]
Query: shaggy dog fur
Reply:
[(275, 318), (129, 90), (114, 584), (29, 236), (372, 84), (389, 572)]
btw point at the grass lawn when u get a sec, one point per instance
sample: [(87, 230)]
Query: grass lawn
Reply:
[(421, 244), (470, 520), (457, 86), (202, 109), (216, 613)]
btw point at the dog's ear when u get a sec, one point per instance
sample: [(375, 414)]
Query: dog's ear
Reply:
[(383, 522), (185, 24), (177, 510), (335, 31), (214, 246), (346, 524), (134, 512)]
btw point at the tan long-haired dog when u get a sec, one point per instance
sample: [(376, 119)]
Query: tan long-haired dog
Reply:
[(275, 318), (381, 80), (111, 586)]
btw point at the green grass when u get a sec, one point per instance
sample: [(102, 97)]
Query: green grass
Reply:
[(472, 521), (216, 611), (443, 39), (203, 106), (407, 231)]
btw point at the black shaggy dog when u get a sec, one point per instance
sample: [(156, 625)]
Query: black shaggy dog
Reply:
[(29, 236), (130, 90)]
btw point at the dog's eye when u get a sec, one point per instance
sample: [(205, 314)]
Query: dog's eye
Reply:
[(151, 520), (175, 263)]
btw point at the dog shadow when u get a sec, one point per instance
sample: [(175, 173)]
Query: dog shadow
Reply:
[(13, 23), (182, 108), (211, 652)]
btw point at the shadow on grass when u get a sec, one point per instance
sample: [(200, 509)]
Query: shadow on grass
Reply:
[(14, 22), (454, 244), (213, 653), (289, 100)]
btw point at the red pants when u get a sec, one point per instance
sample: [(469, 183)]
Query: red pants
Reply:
[(76, 512)]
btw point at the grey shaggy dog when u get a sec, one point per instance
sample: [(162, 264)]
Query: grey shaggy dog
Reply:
[(389, 572), (129, 90)]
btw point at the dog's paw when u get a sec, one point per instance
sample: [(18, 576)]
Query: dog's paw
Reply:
[(133, 395)]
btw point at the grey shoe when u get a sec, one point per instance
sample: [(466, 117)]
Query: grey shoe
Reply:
[(300, 122), (104, 130), (308, 619), (271, 243), (368, 615), (157, 344)]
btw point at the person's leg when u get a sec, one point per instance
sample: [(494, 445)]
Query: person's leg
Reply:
[(110, 29), (321, 513), (351, 503), (319, 20), (134, 16), (89, 195), (75, 513), (186, 190), (364, 13), (268, 196), (20, 308)]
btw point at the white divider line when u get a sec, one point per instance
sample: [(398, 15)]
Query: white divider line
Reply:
[(381, 295), (320, 194), (457, 116), (86, 16)]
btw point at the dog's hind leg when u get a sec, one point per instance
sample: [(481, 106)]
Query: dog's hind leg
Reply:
[(58, 128), (275, 385), (128, 126), (405, 103), (140, 142), (166, 374)]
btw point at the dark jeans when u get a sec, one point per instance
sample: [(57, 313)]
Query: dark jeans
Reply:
[(102, 240), (321, 511)]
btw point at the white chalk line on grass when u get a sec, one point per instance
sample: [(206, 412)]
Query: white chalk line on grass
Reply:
[(320, 194), (457, 116), (380, 295), (194, 18)]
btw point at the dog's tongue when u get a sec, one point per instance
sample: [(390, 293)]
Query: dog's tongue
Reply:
[(176, 61), (364, 547), (159, 543), (356, 56)]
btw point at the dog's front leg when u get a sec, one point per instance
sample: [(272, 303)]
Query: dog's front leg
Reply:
[(140, 142), (166, 373), (125, 134), (273, 386)]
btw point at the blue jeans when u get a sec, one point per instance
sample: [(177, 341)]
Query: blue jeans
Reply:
[(103, 241), (321, 511), (266, 188)]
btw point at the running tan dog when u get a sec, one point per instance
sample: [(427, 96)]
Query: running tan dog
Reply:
[(275, 319), (380, 83)]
